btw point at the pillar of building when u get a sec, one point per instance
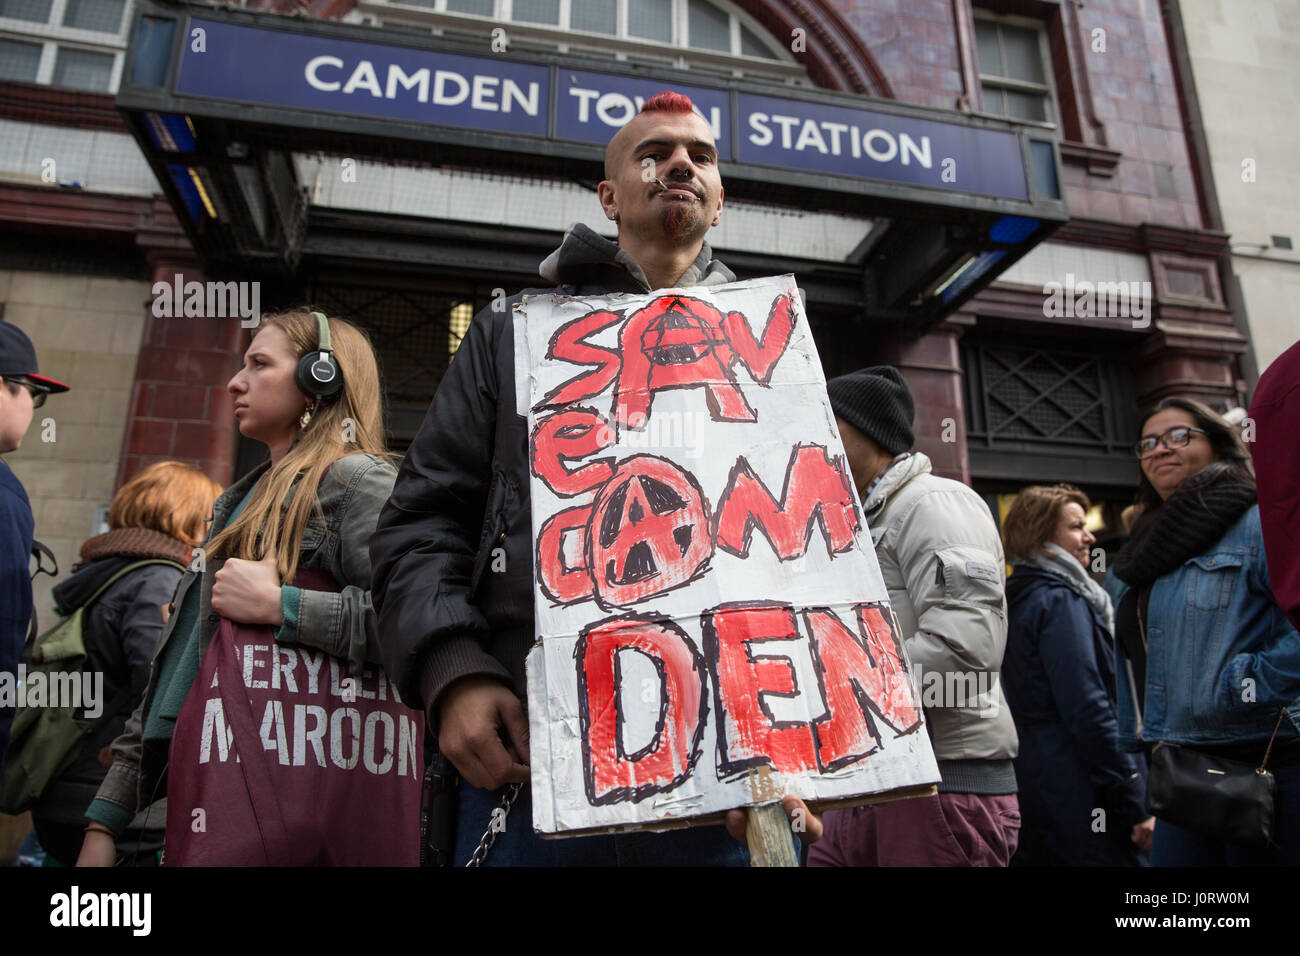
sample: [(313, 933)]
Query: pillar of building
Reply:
[(931, 365), (180, 408)]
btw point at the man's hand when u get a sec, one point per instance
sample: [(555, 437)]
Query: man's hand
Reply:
[(98, 849), (483, 731), (248, 592), (795, 809), (1142, 833)]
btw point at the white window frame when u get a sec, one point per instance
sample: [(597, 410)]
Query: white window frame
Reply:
[(1047, 90), (783, 67), (52, 35)]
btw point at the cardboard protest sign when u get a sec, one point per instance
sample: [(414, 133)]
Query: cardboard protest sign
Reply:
[(714, 630)]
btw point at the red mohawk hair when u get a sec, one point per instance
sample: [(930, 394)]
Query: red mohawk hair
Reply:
[(668, 102)]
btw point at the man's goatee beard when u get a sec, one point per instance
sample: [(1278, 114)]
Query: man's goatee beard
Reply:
[(680, 222)]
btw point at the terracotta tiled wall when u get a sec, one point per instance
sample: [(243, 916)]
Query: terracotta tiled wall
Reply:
[(1132, 95), (180, 408)]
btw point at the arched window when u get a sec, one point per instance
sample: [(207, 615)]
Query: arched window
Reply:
[(706, 35)]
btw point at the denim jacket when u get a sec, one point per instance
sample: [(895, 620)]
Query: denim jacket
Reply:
[(1221, 656), (341, 624)]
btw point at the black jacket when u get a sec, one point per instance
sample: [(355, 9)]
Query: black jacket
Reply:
[(462, 492), (121, 633), (1059, 677)]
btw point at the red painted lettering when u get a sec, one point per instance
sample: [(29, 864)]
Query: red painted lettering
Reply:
[(858, 672), (742, 646), (610, 773), (816, 488), (568, 436), (569, 345), (559, 582), (760, 360), (677, 342), (649, 531)]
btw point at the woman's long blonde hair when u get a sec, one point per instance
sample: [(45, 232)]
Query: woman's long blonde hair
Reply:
[(351, 421)]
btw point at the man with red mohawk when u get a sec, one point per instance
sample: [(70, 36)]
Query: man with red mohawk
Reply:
[(454, 632)]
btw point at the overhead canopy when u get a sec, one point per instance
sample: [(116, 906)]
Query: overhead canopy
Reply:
[(221, 99)]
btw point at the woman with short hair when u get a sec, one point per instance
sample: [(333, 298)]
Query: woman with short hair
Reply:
[(157, 516), (1081, 799)]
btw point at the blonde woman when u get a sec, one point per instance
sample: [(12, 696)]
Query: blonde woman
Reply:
[(309, 390)]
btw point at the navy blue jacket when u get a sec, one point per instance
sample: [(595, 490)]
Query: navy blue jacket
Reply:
[(16, 529), (1059, 677)]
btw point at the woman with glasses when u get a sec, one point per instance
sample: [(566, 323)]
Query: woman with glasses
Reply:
[(1205, 659)]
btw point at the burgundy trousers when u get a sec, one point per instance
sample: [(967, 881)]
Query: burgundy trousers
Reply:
[(947, 829)]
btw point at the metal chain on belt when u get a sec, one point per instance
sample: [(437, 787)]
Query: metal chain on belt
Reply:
[(490, 834)]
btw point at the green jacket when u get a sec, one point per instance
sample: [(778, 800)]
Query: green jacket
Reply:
[(341, 624)]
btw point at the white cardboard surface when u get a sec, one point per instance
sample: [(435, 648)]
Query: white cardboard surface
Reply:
[(580, 783)]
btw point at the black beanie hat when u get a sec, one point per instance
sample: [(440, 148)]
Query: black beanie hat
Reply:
[(876, 402)]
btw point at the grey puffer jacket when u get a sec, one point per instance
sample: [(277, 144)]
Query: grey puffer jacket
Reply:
[(342, 624), (942, 562), (463, 492)]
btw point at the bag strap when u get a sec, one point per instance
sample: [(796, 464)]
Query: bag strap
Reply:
[(1269, 750), (122, 573), (34, 640)]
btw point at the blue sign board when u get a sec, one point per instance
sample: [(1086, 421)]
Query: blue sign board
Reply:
[(591, 107), (277, 68), (871, 145), (309, 72)]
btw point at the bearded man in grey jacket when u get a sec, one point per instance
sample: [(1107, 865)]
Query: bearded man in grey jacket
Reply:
[(941, 559)]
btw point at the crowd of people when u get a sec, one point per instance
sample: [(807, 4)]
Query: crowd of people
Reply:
[(330, 573)]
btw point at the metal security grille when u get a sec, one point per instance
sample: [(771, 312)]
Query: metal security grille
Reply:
[(1047, 397), (415, 330)]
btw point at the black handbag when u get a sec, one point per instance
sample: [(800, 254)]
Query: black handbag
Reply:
[(1225, 800), (438, 812)]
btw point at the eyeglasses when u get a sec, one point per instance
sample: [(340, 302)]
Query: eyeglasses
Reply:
[(38, 393), (1176, 437)]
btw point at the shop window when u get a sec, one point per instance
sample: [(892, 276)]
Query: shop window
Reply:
[(692, 34), (74, 43), (1015, 68)]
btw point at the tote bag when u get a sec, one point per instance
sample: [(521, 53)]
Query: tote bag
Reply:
[(279, 758)]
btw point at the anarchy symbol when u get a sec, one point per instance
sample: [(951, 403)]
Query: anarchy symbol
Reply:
[(649, 531)]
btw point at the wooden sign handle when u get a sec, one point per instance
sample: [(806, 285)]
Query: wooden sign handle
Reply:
[(767, 831)]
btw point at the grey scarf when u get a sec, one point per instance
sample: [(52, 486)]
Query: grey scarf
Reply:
[(1056, 560)]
